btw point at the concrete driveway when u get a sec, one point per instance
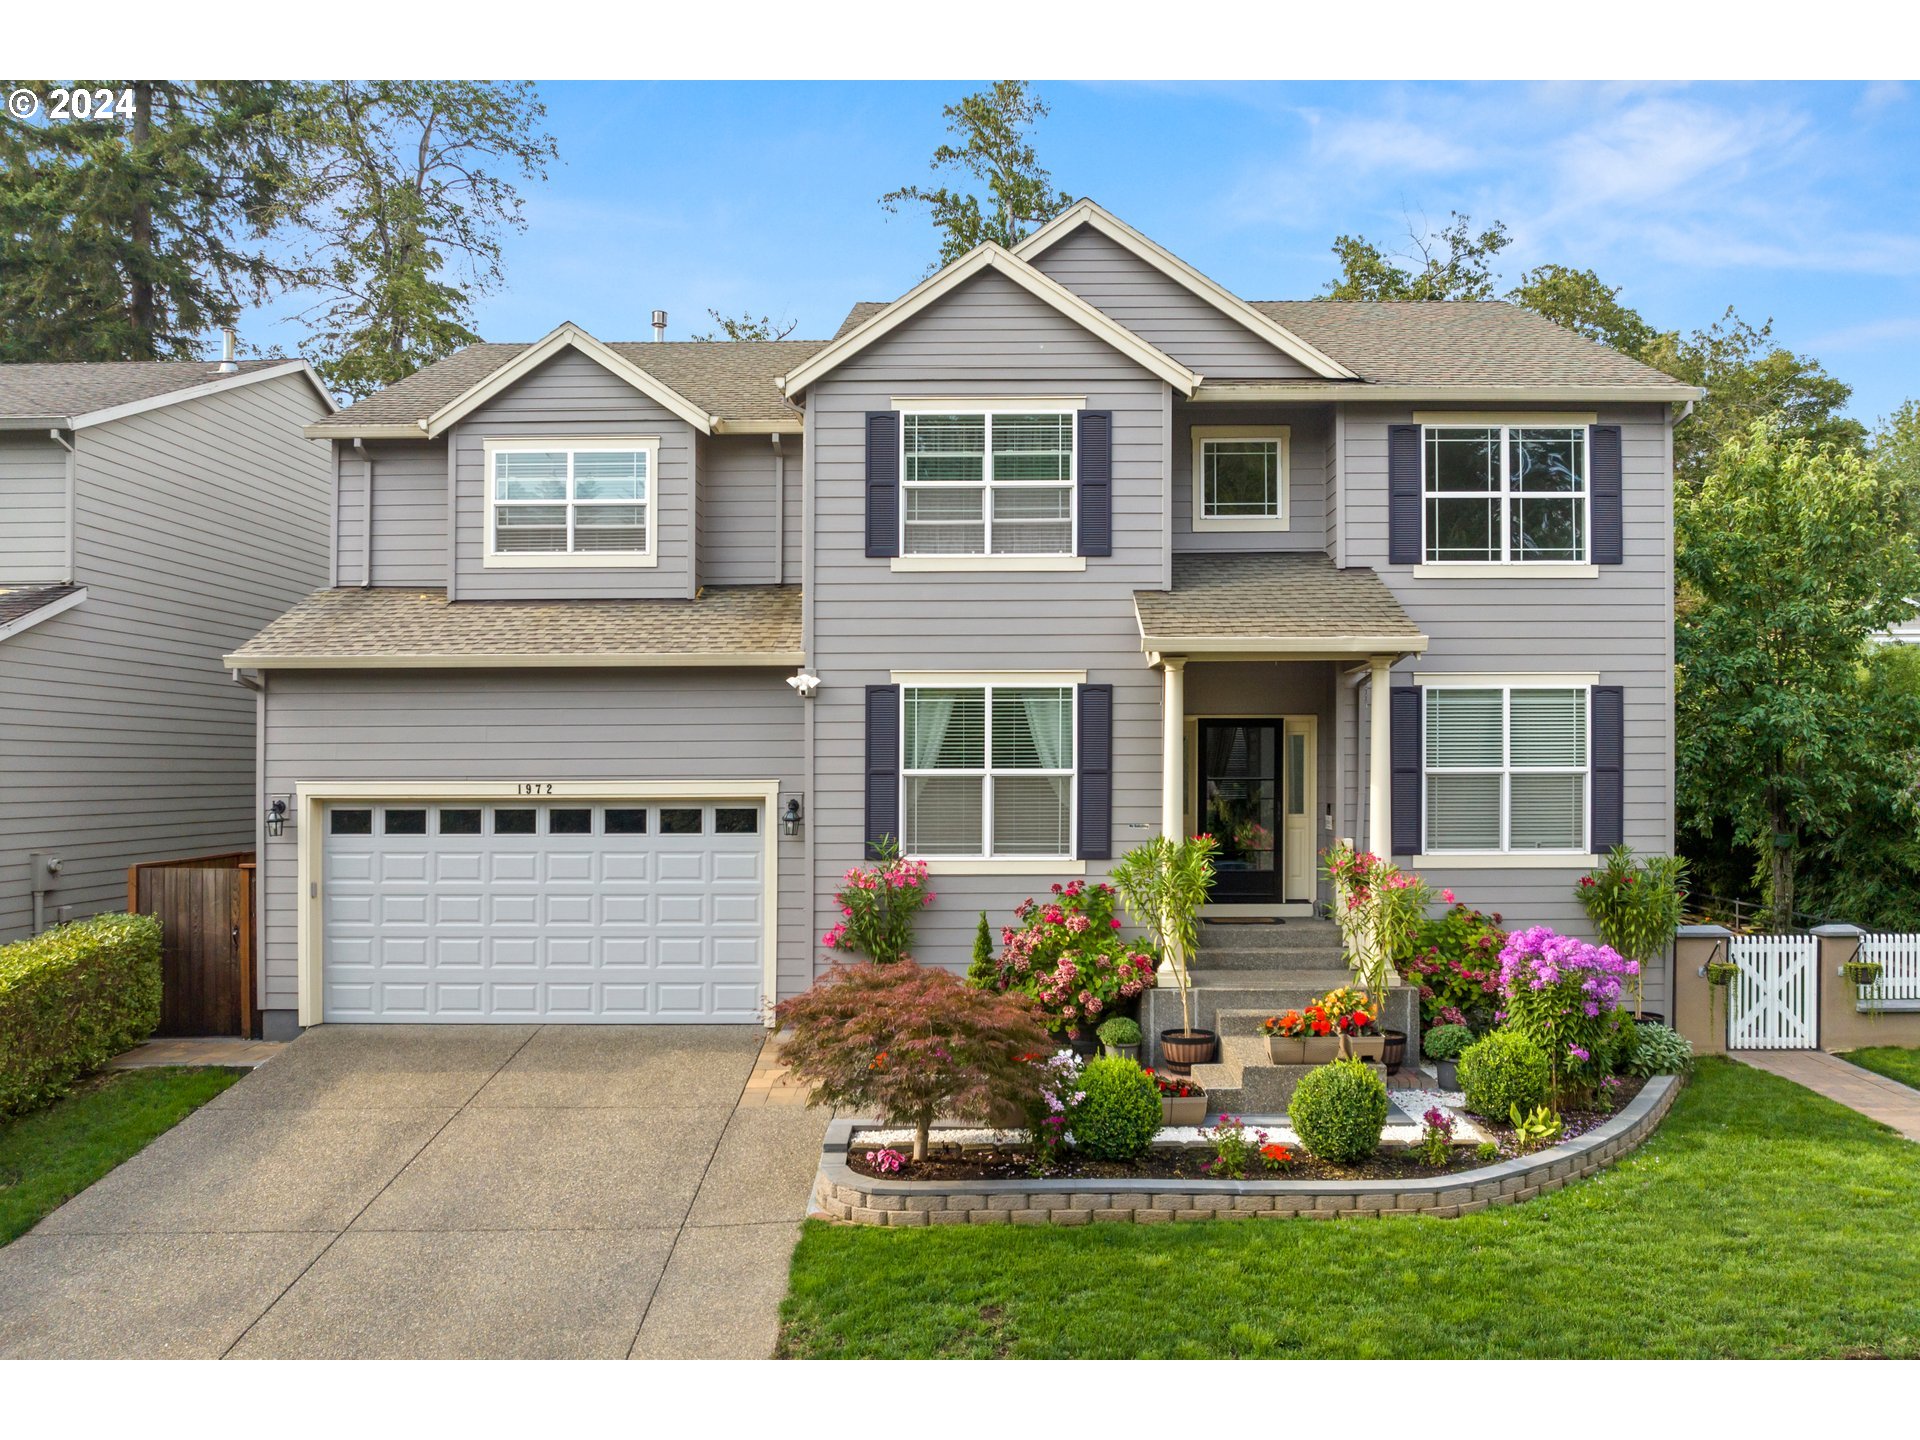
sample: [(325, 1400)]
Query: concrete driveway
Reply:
[(440, 1191)]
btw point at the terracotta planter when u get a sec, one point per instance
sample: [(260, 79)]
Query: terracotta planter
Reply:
[(1183, 1109), (1181, 1050)]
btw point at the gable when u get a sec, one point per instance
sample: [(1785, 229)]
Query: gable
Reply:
[(571, 394), (1158, 309)]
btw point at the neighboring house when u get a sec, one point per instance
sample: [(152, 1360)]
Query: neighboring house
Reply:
[(1064, 548), (152, 516)]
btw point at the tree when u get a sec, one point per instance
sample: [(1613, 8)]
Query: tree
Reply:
[(748, 328), (1790, 555), (1585, 304), (1451, 264), (406, 194), (996, 154), (126, 236)]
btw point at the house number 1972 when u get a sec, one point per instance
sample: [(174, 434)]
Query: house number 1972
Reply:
[(535, 787)]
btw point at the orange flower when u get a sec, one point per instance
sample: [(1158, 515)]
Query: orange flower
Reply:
[(1278, 1154), (879, 1061)]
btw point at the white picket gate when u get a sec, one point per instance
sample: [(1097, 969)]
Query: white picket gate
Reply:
[(1898, 987), (1774, 1002)]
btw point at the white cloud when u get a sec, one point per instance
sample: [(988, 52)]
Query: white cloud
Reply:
[(1869, 335), (1371, 143)]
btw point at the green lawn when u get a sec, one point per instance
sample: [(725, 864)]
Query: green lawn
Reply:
[(1759, 1220), (53, 1154), (1892, 1061)]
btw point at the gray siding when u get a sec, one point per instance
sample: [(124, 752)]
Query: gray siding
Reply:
[(1160, 311), (125, 738), (1619, 625), (1308, 490), (987, 338), (515, 725), (739, 505), (572, 397), (409, 513), (33, 510)]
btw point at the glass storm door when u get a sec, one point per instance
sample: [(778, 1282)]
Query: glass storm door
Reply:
[(1240, 808)]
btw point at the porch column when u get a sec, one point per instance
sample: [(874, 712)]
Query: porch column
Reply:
[(1173, 719), (1380, 764)]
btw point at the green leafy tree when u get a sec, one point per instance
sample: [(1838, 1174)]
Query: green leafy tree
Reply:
[(1004, 192), (1586, 305), (1449, 264), (748, 327), (127, 236), (1790, 556), (407, 191)]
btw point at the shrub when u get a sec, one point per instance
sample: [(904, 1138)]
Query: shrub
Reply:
[(1379, 908), (1562, 993), (1445, 1042), (878, 905), (1069, 956), (1455, 960), (985, 966), (72, 998), (1658, 1050), (1120, 1113), (1635, 904), (1504, 1069), (1339, 1110), (1119, 1030), (908, 1042)]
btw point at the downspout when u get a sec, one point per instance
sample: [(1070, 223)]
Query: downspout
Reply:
[(779, 510), (366, 534), (71, 461)]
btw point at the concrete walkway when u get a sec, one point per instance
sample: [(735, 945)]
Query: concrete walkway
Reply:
[(197, 1050), (1874, 1096), (441, 1192)]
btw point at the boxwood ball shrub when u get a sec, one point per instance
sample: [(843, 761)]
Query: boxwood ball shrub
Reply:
[(1339, 1110), (1504, 1069), (1445, 1042), (72, 998), (1119, 1030), (1121, 1112), (1658, 1050)]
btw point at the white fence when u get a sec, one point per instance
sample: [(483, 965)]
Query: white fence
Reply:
[(1898, 987), (1774, 1002)]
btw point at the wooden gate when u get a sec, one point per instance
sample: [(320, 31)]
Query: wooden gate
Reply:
[(205, 909), (1774, 1002)]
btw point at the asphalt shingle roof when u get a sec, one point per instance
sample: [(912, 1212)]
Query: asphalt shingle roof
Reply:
[(32, 392), (731, 379), (19, 601), (1285, 596), (396, 627)]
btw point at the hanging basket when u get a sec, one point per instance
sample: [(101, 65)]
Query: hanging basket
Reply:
[(1862, 973), (1720, 973)]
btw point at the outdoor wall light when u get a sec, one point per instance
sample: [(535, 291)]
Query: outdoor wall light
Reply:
[(790, 822), (277, 818)]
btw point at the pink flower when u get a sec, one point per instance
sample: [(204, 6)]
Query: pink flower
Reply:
[(1447, 896), (1114, 923)]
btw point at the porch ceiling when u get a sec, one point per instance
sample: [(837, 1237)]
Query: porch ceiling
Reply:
[(1273, 606)]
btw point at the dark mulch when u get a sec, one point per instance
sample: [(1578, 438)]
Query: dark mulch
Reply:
[(1573, 1123)]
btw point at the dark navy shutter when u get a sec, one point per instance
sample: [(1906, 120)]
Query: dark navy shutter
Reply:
[(883, 765), (883, 483), (1096, 772), (1607, 714), (1095, 462), (1406, 793), (1603, 471), (1403, 495)]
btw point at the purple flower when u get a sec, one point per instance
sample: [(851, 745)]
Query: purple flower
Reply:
[(1578, 1053)]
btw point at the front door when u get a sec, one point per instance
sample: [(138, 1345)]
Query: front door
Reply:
[(1239, 807)]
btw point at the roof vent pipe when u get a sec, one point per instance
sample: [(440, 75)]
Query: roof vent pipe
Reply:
[(228, 366), (659, 325)]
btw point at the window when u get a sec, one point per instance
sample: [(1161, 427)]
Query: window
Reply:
[(1505, 494), (459, 822), (570, 822), (681, 822), (1506, 768), (513, 822), (988, 771), (404, 822), (1240, 477), (987, 483), (578, 502), (351, 822), (626, 822)]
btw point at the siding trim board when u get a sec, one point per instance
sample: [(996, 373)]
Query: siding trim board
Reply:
[(199, 392), (312, 798)]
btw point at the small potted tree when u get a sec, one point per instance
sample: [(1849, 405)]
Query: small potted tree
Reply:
[(1120, 1037), (1636, 905), (1163, 884), (1443, 1045)]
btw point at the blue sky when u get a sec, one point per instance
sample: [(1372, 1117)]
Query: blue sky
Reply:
[(1798, 201)]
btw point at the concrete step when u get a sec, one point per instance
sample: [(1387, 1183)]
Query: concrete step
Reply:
[(1243, 1082), (1232, 1003), (1278, 936)]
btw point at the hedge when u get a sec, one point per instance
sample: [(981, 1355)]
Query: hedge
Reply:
[(71, 999)]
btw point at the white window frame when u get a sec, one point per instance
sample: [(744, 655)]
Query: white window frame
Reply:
[(493, 559), (1508, 563), (987, 558), (1282, 519), (1506, 770), (986, 774)]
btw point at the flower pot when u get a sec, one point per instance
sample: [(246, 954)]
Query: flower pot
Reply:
[(1123, 1052), (1369, 1047), (1446, 1074), (1287, 1049), (1319, 1049), (1393, 1052), (1181, 1050), (1649, 1017), (1183, 1109)]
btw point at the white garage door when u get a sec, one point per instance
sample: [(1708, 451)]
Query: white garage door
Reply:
[(615, 912)]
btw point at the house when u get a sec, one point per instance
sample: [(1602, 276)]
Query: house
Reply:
[(631, 650), (153, 515)]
